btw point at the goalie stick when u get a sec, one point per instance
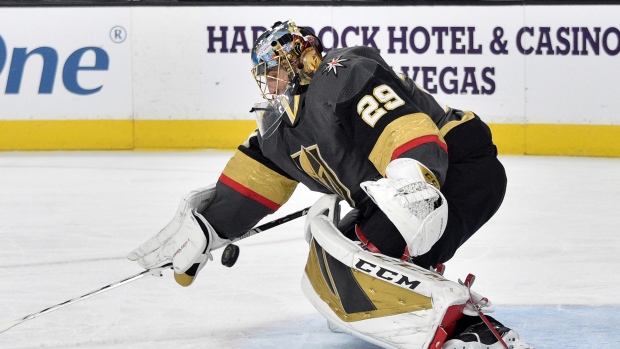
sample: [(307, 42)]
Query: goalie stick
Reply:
[(273, 223), (231, 252), (154, 271), (157, 271)]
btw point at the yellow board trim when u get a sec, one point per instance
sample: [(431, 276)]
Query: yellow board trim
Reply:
[(192, 134), (557, 139), (123, 134), (509, 138), (67, 135), (514, 139)]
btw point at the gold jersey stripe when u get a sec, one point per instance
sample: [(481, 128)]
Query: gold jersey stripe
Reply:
[(452, 124), (401, 131), (259, 178)]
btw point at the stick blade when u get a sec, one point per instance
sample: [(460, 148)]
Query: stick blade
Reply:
[(8, 325)]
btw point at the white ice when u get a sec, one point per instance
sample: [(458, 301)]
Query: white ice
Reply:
[(548, 260)]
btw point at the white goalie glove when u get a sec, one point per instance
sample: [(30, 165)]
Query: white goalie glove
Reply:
[(410, 198), (186, 242)]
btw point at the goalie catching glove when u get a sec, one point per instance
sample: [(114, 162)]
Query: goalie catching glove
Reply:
[(411, 199), (186, 242)]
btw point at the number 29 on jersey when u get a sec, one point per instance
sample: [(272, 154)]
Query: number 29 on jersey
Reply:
[(373, 107)]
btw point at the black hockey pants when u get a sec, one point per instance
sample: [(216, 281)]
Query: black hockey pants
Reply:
[(474, 188)]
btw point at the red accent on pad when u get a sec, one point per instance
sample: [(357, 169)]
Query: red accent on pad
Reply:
[(406, 254), (448, 324), (495, 333), (439, 339), (453, 314), (416, 142), (371, 247), (248, 193), (469, 280)]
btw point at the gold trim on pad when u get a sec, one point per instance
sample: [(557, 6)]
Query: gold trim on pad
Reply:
[(387, 298)]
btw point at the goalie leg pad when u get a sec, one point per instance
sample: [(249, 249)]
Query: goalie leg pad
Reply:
[(380, 299)]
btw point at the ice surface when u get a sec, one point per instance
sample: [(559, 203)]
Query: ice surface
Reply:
[(548, 260)]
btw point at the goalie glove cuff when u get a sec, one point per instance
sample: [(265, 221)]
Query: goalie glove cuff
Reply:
[(407, 168), (189, 261)]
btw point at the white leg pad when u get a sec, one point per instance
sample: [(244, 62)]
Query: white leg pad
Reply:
[(407, 303)]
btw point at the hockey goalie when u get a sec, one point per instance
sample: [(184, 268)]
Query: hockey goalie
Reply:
[(421, 179)]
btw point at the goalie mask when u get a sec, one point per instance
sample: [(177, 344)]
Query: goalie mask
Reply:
[(284, 60)]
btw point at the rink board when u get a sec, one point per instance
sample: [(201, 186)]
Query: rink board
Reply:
[(175, 77), (543, 139)]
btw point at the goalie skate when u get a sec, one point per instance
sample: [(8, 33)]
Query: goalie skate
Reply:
[(479, 336)]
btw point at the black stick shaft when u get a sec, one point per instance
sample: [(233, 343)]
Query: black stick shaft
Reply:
[(273, 223)]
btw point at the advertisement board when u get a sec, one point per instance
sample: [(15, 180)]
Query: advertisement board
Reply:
[(65, 63), (512, 64), (179, 77)]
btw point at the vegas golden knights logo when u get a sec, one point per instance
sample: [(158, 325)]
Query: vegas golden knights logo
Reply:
[(310, 161)]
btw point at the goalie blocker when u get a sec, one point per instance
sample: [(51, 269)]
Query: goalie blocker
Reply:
[(382, 300)]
